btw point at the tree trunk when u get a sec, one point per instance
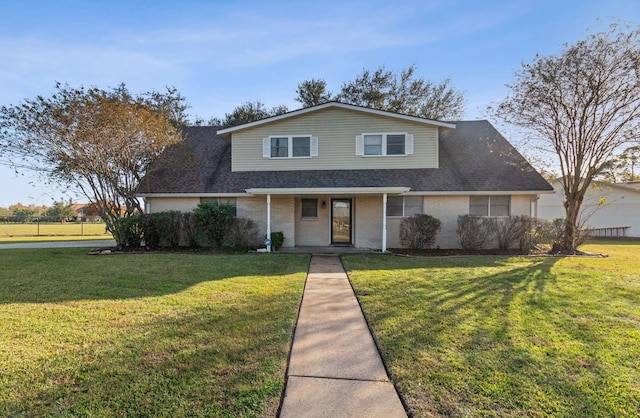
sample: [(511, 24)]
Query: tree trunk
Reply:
[(571, 236)]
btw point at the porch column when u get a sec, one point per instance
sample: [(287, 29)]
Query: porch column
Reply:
[(384, 222), (269, 221)]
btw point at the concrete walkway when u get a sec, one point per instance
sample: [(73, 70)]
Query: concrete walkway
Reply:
[(335, 369)]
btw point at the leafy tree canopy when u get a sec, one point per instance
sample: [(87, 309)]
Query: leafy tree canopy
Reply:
[(97, 141), (380, 89), (60, 210), (247, 112), (312, 92), (623, 167), (385, 90)]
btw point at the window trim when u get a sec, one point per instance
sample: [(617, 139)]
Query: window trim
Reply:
[(404, 206), (489, 215), (290, 146), (408, 144)]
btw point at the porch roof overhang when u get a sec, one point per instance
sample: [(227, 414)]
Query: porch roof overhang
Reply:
[(329, 191)]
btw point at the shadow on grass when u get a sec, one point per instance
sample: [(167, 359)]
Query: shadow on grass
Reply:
[(476, 334), (60, 275)]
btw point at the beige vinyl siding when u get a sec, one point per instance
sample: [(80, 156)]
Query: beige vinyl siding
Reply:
[(336, 130)]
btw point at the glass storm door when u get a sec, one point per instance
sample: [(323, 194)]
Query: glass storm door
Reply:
[(341, 221)]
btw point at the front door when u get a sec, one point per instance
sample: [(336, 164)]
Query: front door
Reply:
[(341, 221)]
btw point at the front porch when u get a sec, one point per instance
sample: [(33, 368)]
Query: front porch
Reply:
[(326, 221)]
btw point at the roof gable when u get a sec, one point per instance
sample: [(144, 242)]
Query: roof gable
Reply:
[(225, 133)]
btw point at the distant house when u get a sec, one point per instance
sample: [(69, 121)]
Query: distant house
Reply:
[(338, 174), (78, 208), (610, 209)]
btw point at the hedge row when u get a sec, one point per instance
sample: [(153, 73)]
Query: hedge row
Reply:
[(522, 232), (209, 225), (477, 232)]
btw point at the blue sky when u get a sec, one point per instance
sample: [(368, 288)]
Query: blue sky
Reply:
[(222, 53)]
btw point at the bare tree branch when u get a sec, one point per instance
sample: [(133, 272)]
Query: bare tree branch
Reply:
[(584, 104)]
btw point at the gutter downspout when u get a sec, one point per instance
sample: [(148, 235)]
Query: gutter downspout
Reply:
[(384, 222), (269, 221)]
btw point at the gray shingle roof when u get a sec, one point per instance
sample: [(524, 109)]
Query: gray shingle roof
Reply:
[(473, 157)]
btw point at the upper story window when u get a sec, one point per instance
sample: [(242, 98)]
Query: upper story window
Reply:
[(279, 147), (290, 146), (489, 205), (404, 205), (384, 144), (372, 144)]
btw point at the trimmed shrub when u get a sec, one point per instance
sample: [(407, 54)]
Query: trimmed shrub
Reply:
[(277, 239), (419, 231), (474, 231), (130, 230), (212, 221), (551, 234), (162, 229), (242, 234), (528, 240), (151, 232), (173, 228), (511, 231), (189, 228)]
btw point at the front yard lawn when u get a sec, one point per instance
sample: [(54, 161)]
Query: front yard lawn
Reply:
[(508, 336), (145, 335)]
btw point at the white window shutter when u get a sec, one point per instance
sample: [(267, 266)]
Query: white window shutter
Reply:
[(359, 144), (266, 148), (314, 146), (408, 146)]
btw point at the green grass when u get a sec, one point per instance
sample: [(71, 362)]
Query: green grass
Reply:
[(508, 337), (145, 335), (29, 232)]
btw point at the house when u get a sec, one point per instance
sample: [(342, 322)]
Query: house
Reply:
[(338, 174), (608, 209)]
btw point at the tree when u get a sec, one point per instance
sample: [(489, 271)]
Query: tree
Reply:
[(247, 112), (312, 92), (583, 104), (404, 93), (24, 213), (623, 167), (61, 211), (629, 160), (100, 142)]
